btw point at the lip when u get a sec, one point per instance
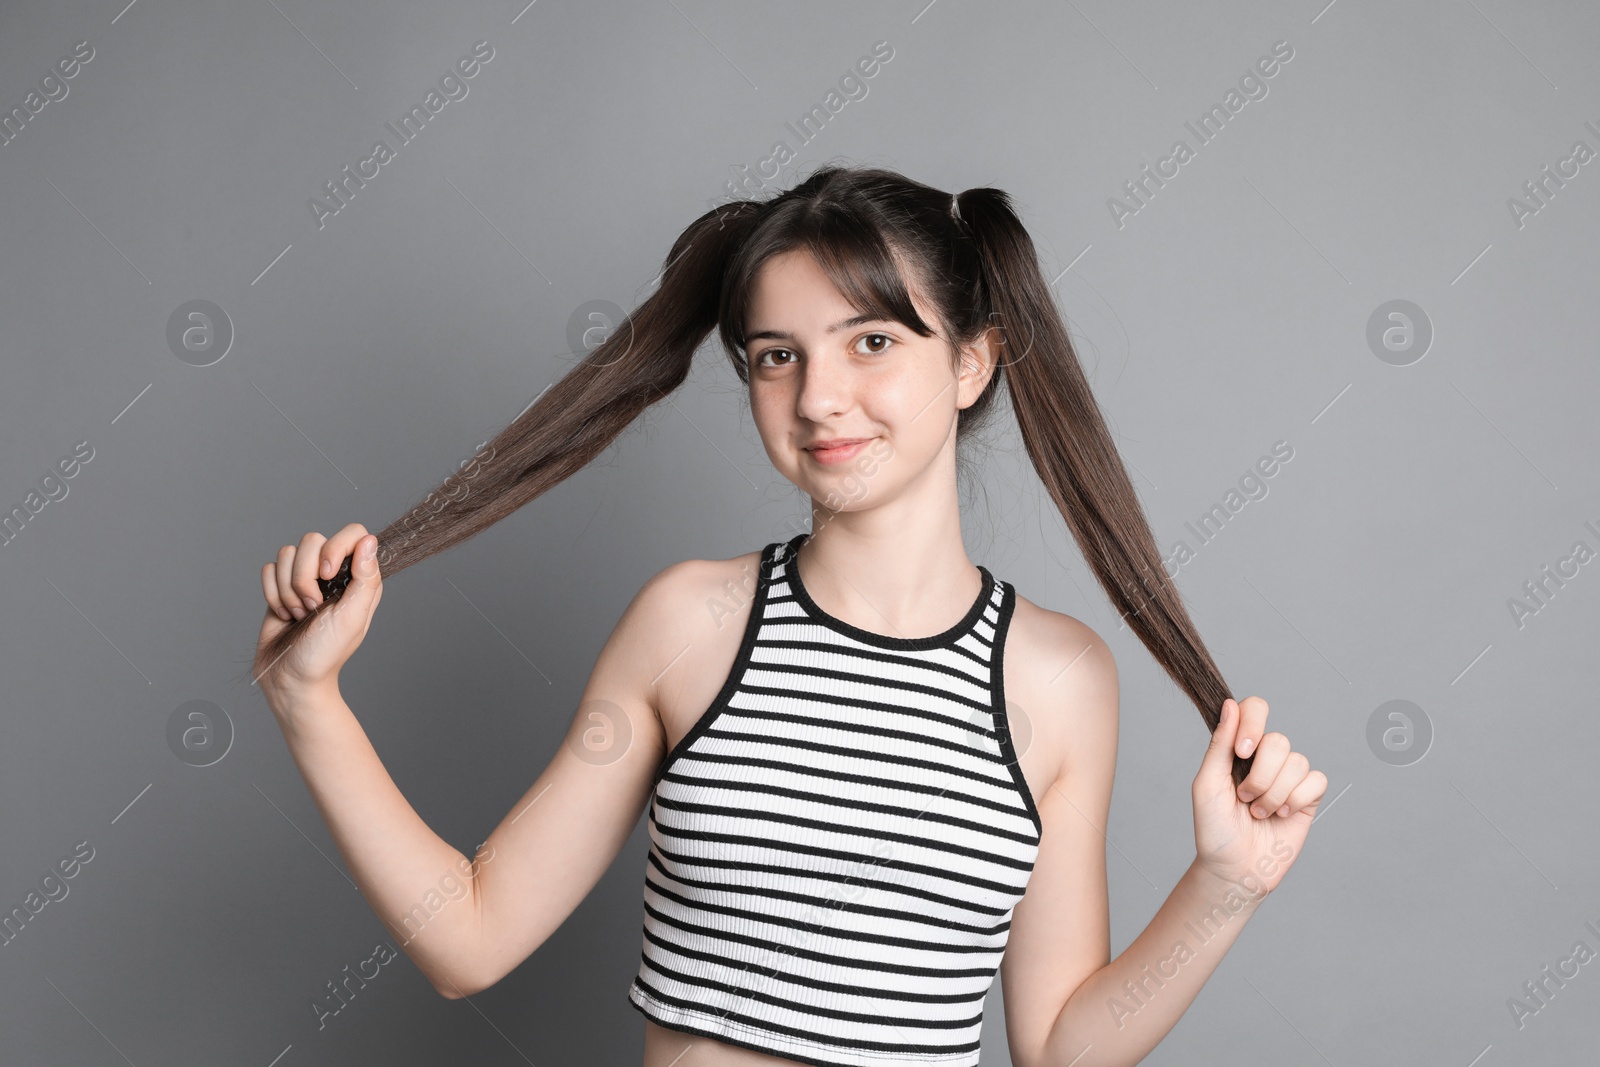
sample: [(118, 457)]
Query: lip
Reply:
[(836, 450)]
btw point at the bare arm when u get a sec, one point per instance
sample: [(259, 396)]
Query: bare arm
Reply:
[(1124, 1009), (551, 848), (395, 858), (1067, 1000)]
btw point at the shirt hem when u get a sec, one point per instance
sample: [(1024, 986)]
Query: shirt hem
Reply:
[(720, 1028)]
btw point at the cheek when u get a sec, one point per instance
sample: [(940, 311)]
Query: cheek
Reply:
[(767, 412), (762, 407), (918, 407)]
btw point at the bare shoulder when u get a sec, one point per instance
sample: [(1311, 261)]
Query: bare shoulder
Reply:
[(688, 621), (694, 593), (1062, 676)]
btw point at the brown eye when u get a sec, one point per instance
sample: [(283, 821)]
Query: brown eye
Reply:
[(882, 336), (768, 352)]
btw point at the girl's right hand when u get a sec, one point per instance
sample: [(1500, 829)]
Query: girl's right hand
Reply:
[(290, 585)]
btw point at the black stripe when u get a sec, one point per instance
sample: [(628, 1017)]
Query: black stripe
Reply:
[(657, 933), (790, 574), (1007, 749), (804, 615), (847, 933), (809, 982), (725, 1035), (681, 834), (800, 670), (810, 1035), (833, 958), (873, 654), (772, 868), (752, 627), (860, 805), (786, 819), (859, 727), (846, 776), (840, 750), (970, 655), (853, 937)]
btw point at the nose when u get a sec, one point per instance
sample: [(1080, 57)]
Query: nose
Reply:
[(826, 387)]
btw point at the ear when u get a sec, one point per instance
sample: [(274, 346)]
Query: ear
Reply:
[(977, 366)]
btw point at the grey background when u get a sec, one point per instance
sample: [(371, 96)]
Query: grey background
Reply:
[(1229, 313)]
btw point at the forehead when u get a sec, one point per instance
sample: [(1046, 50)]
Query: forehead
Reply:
[(792, 279), (791, 291)]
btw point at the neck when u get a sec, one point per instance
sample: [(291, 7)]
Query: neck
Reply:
[(897, 575)]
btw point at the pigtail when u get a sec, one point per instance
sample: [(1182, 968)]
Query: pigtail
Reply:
[(643, 360), (1074, 454)]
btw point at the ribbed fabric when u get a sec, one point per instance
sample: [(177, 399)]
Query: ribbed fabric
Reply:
[(837, 844)]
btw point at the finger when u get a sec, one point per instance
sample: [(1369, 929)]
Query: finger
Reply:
[(1218, 759), (1290, 774), (338, 547), (364, 570), (1252, 723), (284, 576), (1307, 793), (366, 584), (304, 578), (269, 586), (1265, 767)]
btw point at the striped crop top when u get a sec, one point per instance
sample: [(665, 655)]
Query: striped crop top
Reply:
[(837, 844)]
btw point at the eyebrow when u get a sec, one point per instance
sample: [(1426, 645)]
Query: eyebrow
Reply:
[(842, 324)]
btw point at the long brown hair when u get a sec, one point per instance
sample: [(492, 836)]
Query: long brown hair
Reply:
[(974, 260)]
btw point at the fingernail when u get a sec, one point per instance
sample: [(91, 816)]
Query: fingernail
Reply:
[(1246, 796), (327, 568), (1246, 745), (1284, 810), (1255, 809), (311, 605)]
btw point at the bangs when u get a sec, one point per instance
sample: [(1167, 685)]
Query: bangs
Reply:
[(848, 247)]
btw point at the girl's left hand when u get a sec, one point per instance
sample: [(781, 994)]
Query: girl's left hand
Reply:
[(1231, 840)]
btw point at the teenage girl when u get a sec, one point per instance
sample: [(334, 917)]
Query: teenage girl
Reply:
[(874, 774)]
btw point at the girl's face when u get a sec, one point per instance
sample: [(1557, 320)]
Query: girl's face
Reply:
[(821, 372)]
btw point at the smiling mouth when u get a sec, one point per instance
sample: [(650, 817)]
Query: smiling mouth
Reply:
[(836, 451)]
